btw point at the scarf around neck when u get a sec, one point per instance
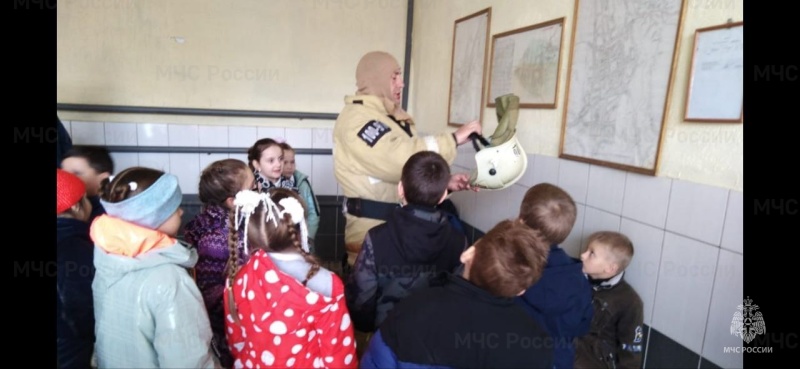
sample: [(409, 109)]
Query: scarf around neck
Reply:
[(266, 184)]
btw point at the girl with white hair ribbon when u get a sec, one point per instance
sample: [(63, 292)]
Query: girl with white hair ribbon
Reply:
[(282, 308)]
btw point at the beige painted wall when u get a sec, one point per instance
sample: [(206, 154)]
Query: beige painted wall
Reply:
[(698, 152), (297, 55), (301, 56)]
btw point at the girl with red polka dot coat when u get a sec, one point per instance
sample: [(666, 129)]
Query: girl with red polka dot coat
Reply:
[(282, 309)]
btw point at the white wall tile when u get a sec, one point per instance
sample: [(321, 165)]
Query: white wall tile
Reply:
[(646, 199), (733, 228), (303, 163), (606, 186), (597, 220), (204, 160), (512, 199), (242, 157), (322, 179), (124, 160), (120, 134), (158, 161), (275, 133), (88, 133), (545, 170), (572, 245), (573, 177), (727, 296), (187, 168), (488, 212), (322, 138), (152, 134), (242, 136), (683, 292), (697, 211), (299, 138), (184, 135), (68, 126), (213, 136), (642, 273), (527, 177)]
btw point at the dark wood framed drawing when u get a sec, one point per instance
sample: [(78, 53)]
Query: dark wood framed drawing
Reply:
[(619, 85), (715, 90), (468, 67), (526, 62)]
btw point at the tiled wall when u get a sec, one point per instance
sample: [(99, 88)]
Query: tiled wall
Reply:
[(688, 237), (688, 259), (187, 167)]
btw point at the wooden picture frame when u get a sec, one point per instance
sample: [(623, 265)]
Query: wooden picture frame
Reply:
[(468, 68), (526, 62), (715, 90), (621, 71)]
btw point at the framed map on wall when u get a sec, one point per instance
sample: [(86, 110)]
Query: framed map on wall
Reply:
[(526, 62), (468, 69), (618, 88), (716, 81)]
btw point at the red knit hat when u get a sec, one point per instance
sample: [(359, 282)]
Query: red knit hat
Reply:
[(69, 190)]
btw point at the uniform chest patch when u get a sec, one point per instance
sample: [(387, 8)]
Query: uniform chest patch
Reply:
[(372, 132)]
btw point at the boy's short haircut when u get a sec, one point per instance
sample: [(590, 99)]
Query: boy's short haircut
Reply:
[(425, 177), (550, 210), (618, 245), (97, 157), (508, 259)]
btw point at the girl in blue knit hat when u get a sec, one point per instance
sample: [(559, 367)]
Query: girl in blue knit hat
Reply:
[(148, 310)]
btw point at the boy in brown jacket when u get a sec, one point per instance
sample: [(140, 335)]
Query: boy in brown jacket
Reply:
[(615, 339)]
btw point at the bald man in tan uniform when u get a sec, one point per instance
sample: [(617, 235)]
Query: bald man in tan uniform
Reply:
[(372, 139)]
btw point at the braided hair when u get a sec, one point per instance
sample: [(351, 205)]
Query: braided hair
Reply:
[(264, 234)]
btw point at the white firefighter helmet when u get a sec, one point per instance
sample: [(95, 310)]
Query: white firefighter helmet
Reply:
[(499, 166)]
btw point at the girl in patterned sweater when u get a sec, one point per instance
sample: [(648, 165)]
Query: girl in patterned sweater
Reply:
[(282, 309), (219, 183)]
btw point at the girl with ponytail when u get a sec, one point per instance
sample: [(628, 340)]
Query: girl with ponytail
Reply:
[(282, 308)]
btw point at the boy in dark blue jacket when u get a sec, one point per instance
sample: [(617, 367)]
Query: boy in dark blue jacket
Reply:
[(75, 310), (471, 320), (561, 301)]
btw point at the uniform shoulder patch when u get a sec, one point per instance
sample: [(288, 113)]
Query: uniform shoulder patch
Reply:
[(372, 132), (637, 334)]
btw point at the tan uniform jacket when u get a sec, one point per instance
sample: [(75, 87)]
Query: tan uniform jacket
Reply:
[(369, 151)]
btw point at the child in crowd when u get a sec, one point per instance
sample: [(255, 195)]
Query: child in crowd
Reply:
[(63, 141), (615, 338), (265, 158), (561, 302), (208, 231), (93, 165), (75, 329), (300, 183), (416, 243), (283, 309), (471, 321), (149, 312)]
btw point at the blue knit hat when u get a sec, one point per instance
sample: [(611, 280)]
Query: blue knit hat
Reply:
[(152, 207)]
